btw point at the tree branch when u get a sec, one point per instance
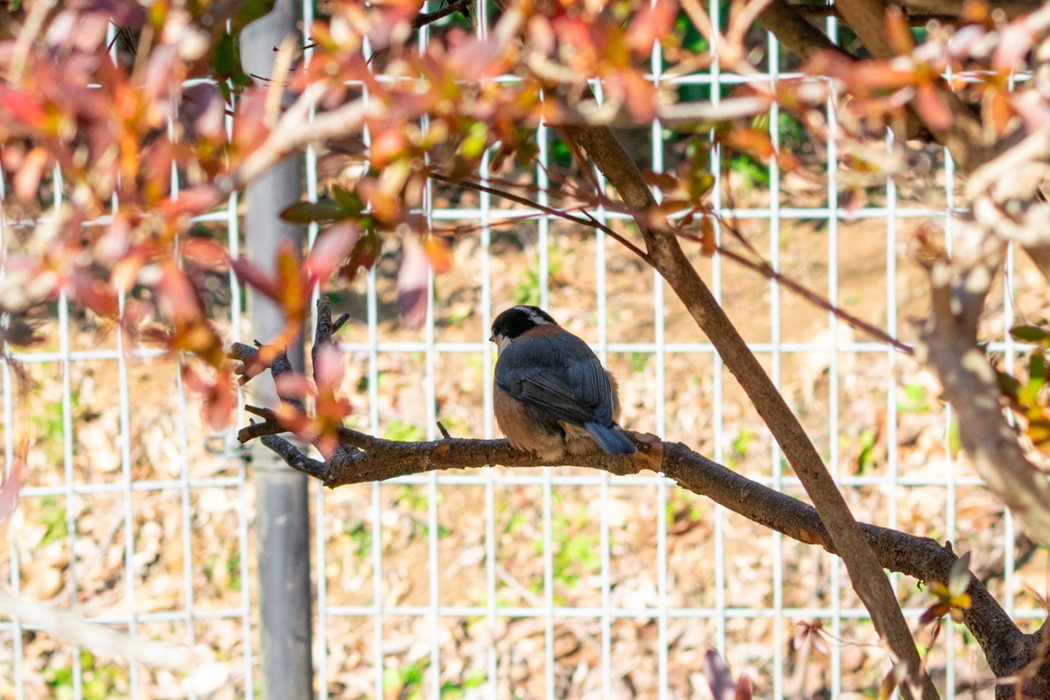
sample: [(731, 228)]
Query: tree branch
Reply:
[(1007, 648), (793, 31), (425, 18), (864, 569)]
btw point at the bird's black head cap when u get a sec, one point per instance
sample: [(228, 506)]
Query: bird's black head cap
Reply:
[(513, 322)]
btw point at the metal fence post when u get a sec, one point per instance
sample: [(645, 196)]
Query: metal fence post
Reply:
[(282, 523)]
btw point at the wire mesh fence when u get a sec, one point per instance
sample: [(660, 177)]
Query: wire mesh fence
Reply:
[(551, 582)]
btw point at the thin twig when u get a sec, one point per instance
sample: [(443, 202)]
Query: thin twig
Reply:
[(425, 18)]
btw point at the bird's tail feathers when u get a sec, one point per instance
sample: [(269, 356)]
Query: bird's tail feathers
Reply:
[(610, 439)]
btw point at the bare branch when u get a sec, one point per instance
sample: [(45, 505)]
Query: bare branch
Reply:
[(425, 18), (98, 638), (1007, 648)]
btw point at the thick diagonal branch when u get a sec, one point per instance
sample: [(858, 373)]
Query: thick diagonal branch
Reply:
[(866, 573)]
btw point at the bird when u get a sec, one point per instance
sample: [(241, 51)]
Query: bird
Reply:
[(551, 395)]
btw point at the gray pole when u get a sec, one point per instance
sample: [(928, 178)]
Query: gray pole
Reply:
[(282, 524)]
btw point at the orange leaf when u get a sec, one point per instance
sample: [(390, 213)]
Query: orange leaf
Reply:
[(292, 293), (194, 201), (976, 12), (639, 95), (997, 110), (872, 76), (708, 242), (126, 271), (387, 146), (27, 179), (753, 141), (204, 252), (438, 253), (898, 32)]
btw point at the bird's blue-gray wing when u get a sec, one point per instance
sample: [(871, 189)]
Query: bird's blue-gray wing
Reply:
[(562, 377)]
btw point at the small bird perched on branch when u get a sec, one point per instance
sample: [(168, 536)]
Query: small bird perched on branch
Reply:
[(552, 395)]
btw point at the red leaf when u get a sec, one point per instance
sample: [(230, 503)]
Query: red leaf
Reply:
[(218, 396), (743, 689), (249, 131), (898, 32), (205, 253), (255, 277), (997, 110), (412, 281), (364, 255), (94, 293), (650, 24), (176, 295), (220, 402), (932, 107), (639, 94), (22, 107), (126, 271), (665, 181), (386, 147), (194, 201), (292, 385)]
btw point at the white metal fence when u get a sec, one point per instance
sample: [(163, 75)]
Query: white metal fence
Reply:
[(520, 583)]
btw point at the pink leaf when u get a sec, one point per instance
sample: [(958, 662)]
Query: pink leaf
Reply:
[(412, 281), (330, 367), (329, 252), (1013, 45), (650, 24), (9, 491)]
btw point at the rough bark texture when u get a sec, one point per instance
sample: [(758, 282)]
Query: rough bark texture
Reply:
[(670, 261), (363, 458)]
